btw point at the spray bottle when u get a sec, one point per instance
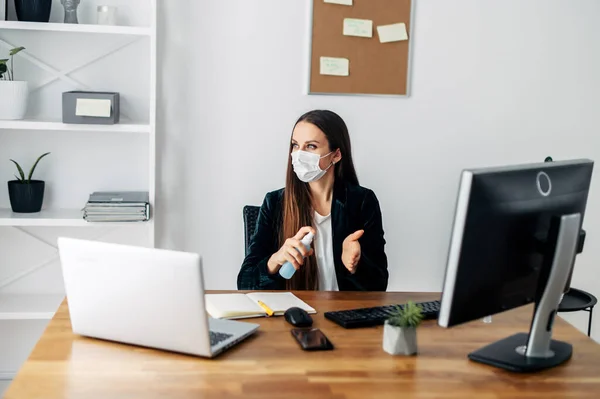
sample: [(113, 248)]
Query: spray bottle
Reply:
[(287, 270)]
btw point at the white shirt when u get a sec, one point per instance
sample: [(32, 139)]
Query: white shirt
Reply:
[(323, 246)]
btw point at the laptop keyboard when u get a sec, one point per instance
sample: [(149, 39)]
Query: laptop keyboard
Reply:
[(217, 337)]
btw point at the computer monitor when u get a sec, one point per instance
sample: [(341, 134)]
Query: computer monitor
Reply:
[(516, 232)]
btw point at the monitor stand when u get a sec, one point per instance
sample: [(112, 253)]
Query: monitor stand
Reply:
[(537, 350)]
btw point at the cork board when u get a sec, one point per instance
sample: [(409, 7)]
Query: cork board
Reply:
[(374, 68)]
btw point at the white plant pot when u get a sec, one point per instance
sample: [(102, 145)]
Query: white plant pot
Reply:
[(14, 96), (399, 341)]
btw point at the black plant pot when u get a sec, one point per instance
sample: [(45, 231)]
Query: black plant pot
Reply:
[(26, 197), (33, 10)]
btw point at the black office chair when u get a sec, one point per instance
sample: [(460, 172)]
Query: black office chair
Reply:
[(250, 217), (575, 300)]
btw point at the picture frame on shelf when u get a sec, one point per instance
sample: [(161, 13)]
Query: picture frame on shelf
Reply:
[(3, 8)]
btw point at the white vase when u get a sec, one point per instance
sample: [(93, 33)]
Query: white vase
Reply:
[(399, 340), (14, 96)]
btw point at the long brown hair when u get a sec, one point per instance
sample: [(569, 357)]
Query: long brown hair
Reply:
[(297, 204)]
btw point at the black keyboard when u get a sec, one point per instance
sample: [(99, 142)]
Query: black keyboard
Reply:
[(367, 317), (217, 337)]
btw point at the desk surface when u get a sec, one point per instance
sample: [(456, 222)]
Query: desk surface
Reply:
[(270, 363)]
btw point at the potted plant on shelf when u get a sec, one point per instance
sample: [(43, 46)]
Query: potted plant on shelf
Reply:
[(26, 195), (14, 93), (400, 330)]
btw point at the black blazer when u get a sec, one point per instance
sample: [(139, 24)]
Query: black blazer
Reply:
[(353, 208)]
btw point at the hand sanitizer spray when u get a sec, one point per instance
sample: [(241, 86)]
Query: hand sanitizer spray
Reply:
[(287, 270)]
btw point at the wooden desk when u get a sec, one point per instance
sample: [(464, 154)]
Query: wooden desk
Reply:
[(270, 364)]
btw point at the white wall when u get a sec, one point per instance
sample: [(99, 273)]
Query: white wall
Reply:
[(494, 82)]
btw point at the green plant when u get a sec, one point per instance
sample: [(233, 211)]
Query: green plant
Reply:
[(22, 174), (410, 315), (7, 73)]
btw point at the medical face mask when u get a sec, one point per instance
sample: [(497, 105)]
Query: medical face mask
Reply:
[(306, 165)]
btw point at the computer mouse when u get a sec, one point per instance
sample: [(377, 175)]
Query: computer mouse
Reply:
[(298, 317)]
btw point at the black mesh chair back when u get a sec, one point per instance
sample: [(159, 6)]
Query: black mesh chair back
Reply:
[(250, 217)]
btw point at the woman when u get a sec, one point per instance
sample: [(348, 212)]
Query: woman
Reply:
[(321, 196)]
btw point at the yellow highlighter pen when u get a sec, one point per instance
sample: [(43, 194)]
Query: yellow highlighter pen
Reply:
[(266, 308)]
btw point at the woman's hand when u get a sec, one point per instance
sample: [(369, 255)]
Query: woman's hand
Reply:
[(291, 251), (351, 251)]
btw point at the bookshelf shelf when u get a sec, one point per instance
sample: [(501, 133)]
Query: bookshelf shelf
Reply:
[(59, 126), (76, 28), (53, 218), (57, 217), (28, 306)]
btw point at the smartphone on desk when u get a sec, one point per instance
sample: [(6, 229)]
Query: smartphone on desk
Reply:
[(312, 339)]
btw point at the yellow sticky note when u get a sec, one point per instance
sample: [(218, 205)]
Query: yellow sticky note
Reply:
[(342, 2), (92, 107), (358, 27), (335, 66), (392, 33)]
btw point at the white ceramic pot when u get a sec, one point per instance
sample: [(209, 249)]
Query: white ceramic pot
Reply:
[(13, 99), (399, 341)]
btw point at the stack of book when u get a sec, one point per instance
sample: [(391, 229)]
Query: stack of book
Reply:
[(122, 206)]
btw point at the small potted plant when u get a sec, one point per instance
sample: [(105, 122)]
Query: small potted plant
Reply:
[(26, 195), (14, 93), (400, 330)]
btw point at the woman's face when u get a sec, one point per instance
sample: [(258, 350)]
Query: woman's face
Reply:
[(307, 137)]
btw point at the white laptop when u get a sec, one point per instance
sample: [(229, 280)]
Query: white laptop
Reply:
[(143, 296)]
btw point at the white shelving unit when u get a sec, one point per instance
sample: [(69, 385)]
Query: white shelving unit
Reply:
[(97, 54)]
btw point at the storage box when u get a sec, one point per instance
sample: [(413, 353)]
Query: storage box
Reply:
[(91, 107)]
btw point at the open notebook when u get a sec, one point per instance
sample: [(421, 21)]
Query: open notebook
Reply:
[(239, 306)]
